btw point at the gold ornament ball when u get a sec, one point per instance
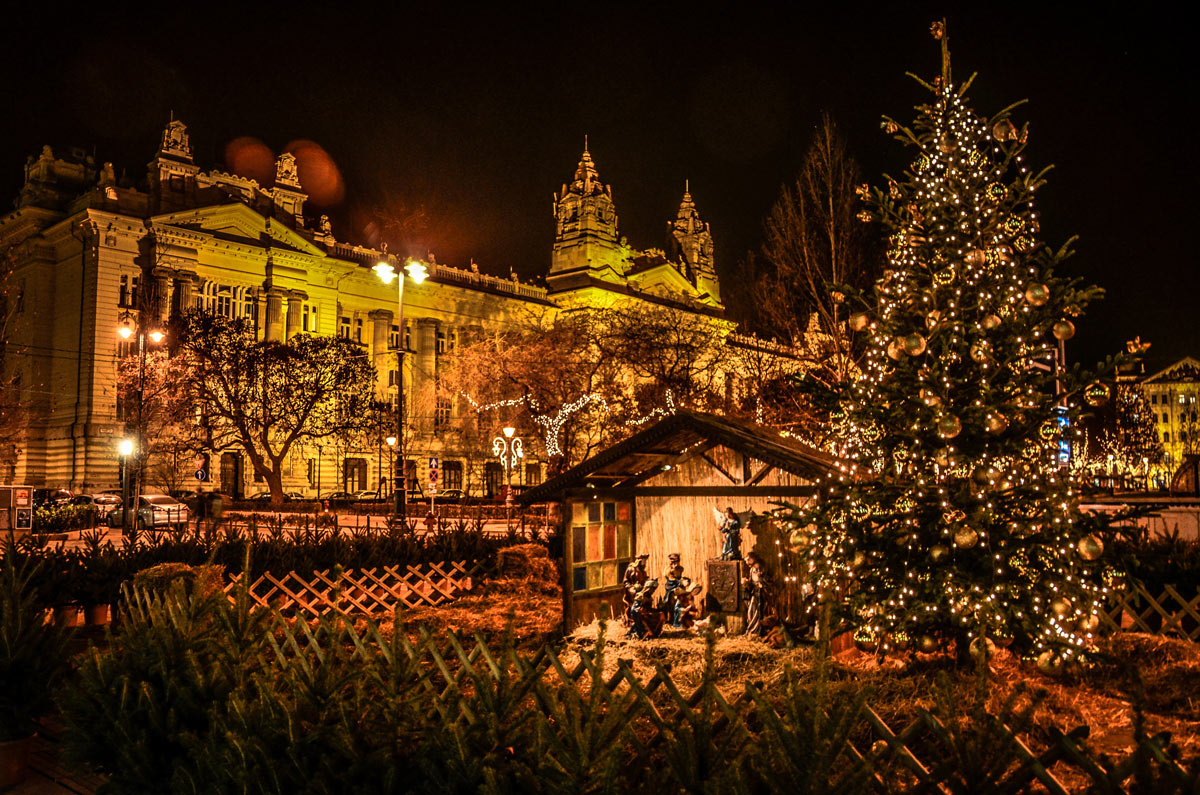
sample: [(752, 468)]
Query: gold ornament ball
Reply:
[(1037, 294), (930, 398), (937, 553), (991, 322), (933, 318), (976, 256), (900, 640), (965, 538), (914, 344), (1004, 130), (895, 349), (1001, 640), (949, 426), (1049, 430), (1049, 663), (982, 647), (980, 352), (1090, 547), (859, 321), (927, 644), (798, 539), (1097, 394), (1089, 623), (1061, 606), (1064, 330), (996, 423), (947, 144)]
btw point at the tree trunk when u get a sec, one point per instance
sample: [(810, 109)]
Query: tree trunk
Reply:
[(274, 478)]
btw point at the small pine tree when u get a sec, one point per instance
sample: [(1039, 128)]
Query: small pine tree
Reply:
[(952, 517)]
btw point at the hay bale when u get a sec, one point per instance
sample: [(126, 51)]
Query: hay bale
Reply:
[(197, 580), (526, 561)]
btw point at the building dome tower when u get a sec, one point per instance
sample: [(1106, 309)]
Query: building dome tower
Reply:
[(690, 243), (586, 242)]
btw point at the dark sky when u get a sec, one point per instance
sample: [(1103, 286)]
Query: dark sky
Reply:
[(477, 117)]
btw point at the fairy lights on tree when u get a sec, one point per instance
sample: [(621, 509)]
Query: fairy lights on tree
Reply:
[(951, 518)]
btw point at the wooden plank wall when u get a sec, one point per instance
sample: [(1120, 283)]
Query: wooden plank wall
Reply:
[(686, 524)]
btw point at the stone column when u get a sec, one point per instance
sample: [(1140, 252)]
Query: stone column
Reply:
[(381, 325), (184, 295), (295, 306), (274, 323), (162, 294), (424, 364)]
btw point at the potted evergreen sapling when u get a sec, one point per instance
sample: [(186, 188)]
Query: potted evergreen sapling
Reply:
[(32, 660)]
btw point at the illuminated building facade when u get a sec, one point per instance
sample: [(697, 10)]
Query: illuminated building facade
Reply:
[(85, 250)]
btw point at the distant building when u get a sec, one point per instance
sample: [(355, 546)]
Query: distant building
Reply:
[(1172, 394), (85, 250)]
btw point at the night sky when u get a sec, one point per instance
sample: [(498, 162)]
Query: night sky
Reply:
[(465, 124)]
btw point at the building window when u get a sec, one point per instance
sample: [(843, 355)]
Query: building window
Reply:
[(358, 329), (493, 479), (1166, 437), (441, 412), (391, 379), (452, 338), (344, 327), (310, 319), (407, 337), (127, 299), (533, 474), (441, 342), (354, 474), (394, 337), (452, 474), (1182, 400)]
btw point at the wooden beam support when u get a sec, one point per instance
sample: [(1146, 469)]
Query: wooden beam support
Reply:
[(762, 473), (719, 468), (732, 490)]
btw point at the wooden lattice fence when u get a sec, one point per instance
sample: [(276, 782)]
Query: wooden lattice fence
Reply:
[(373, 592), (1170, 613), (922, 756)]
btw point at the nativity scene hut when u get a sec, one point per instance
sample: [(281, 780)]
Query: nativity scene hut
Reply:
[(655, 494)]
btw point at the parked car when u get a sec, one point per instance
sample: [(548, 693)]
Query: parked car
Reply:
[(368, 496), (101, 504), (453, 496), (288, 496), (337, 499), (51, 497), (154, 512)]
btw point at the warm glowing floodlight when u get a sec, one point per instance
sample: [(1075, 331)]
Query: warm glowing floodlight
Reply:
[(385, 271), (416, 270), (156, 336), (391, 440), (509, 431), (125, 447), (125, 331)]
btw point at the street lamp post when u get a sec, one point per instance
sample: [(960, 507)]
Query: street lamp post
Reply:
[(510, 450), (125, 449), (387, 272), (126, 330)]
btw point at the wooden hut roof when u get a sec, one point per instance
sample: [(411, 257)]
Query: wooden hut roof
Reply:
[(647, 452)]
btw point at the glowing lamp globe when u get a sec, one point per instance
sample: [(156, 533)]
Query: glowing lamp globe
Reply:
[(156, 336), (125, 447), (125, 331), (416, 270), (391, 440), (385, 272)]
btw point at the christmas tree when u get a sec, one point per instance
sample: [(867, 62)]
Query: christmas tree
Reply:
[(953, 517)]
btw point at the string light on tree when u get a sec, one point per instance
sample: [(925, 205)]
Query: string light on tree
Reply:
[(961, 522)]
